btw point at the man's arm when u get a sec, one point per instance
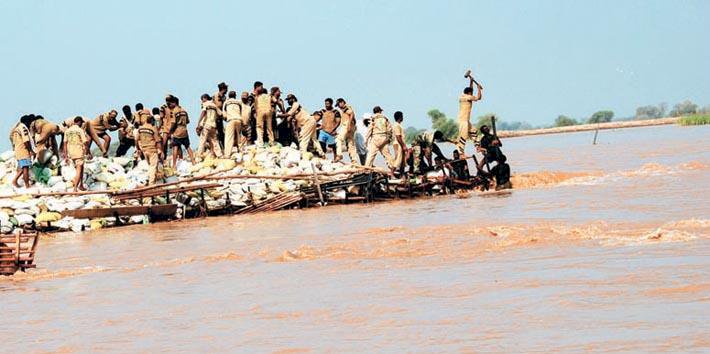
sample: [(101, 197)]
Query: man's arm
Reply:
[(435, 149), (337, 121)]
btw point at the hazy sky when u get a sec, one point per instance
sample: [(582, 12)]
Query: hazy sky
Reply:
[(536, 59)]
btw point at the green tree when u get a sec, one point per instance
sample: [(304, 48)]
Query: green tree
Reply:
[(410, 133), (651, 111), (684, 108), (564, 121), (440, 122), (601, 117), (485, 120)]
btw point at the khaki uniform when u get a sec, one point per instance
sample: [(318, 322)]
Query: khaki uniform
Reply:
[(466, 131), (181, 121), (379, 135), (148, 139), (209, 130), (233, 128), (245, 110), (43, 131), (346, 135), (264, 112), (19, 136), (421, 145), (141, 117), (397, 131), (306, 125), (75, 137)]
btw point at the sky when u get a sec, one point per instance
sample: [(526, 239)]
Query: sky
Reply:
[(535, 59)]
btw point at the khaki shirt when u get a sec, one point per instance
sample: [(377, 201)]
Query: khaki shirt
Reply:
[(245, 110), (19, 136), (100, 123), (211, 113), (397, 131), (43, 126), (329, 123), (380, 126), (181, 122), (141, 117), (126, 128), (148, 138), (76, 139), (167, 119), (263, 103), (219, 102), (300, 115), (348, 121), (465, 105), (232, 109)]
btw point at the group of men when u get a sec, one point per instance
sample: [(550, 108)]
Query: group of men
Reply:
[(228, 122)]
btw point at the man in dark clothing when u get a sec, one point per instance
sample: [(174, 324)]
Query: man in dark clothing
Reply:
[(459, 167), (501, 173), (489, 146)]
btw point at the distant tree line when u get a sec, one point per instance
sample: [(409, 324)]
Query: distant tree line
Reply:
[(449, 127)]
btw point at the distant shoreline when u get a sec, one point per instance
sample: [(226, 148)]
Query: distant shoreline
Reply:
[(588, 127)]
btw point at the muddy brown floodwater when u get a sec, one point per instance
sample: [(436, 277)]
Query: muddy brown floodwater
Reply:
[(599, 248)]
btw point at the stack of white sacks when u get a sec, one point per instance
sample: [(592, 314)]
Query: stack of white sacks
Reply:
[(118, 173)]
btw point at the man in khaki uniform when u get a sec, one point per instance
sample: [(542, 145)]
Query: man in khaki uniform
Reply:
[(219, 98), (141, 115), (126, 138), (423, 146), (466, 131), (22, 145), (179, 134), (304, 122), (233, 118), (45, 133), (398, 143), (150, 144), (74, 150), (246, 109), (264, 114), (379, 136), (167, 119), (97, 130), (329, 126), (346, 134), (207, 128)]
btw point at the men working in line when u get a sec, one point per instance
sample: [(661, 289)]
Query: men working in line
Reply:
[(44, 133), (150, 145), (233, 117), (304, 122), (126, 138), (379, 136), (97, 130), (329, 126), (75, 150), (178, 132), (22, 145), (264, 114), (346, 134), (466, 130), (398, 142), (207, 128), (423, 146), (219, 97)]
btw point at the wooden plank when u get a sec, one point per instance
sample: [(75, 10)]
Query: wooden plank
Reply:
[(161, 192), (155, 210)]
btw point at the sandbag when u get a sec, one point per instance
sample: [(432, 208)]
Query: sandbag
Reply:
[(48, 216)]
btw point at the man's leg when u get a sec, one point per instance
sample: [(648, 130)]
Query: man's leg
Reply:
[(26, 176), (270, 129), (372, 150), (107, 144), (339, 143), (215, 143), (153, 170), (384, 148), (202, 145), (352, 150), (260, 129)]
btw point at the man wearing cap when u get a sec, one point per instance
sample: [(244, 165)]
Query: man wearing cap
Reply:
[(264, 114), (379, 136), (346, 134), (150, 144), (74, 148), (207, 127), (219, 97), (179, 134), (304, 122), (329, 126), (233, 118), (466, 130), (97, 130), (246, 111)]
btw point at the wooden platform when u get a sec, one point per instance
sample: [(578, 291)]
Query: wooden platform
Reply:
[(165, 210), (17, 252)]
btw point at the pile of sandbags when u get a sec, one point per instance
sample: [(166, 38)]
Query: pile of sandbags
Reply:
[(120, 174)]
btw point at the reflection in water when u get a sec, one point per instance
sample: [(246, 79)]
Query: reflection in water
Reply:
[(608, 242)]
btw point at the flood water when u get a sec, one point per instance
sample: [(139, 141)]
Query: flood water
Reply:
[(600, 248)]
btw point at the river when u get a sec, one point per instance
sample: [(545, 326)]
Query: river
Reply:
[(600, 248)]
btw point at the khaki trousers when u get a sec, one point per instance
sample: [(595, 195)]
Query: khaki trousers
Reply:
[(466, 132), (348, 141), (307, 135), (152, 159), (232, 134), (263, 122), (209, 136), (398, 155), (378, 143)]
